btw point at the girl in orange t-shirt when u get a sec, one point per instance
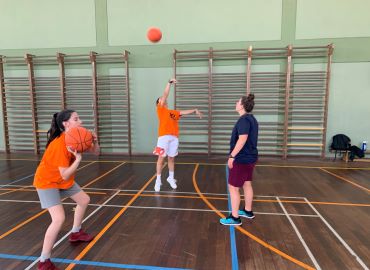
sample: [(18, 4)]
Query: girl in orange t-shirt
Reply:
[(54, 179), (168, 133)]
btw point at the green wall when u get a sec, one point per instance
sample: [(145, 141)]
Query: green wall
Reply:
[(193, 21), (332, 19), (47, 24), (45, 27), (147, 85), (349, 101)]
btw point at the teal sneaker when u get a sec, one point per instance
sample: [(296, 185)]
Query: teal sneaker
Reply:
[(246, 214), (231, 221)]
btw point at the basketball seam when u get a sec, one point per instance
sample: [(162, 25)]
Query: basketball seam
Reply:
[(74, 144), (78, 142)]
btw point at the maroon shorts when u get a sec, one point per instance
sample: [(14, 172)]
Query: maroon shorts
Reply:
[(240, 173)]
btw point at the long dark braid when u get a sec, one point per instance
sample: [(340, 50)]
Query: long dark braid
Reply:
[(57, 127)]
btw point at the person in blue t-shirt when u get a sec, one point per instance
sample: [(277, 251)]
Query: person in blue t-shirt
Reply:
[(242, 159)]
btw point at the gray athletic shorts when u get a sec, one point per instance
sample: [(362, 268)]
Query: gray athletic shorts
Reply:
[(52, 196)]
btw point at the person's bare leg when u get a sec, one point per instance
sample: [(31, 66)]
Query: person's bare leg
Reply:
[(171, 169), (171, 166), (160, 165), (235, 200), (248, 195), (158, 182), (82, 200), (57, 219)]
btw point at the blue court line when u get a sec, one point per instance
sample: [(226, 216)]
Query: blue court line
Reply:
[(15, 181), (234, 253), (101, 264)]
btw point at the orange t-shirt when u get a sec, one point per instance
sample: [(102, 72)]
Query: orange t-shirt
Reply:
[(47, 173), (168, 121)]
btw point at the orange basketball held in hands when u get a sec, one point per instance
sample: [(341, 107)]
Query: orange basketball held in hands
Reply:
[(79, 138), (154, 34)]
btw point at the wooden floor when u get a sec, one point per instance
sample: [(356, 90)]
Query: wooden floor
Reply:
[(310, 214)]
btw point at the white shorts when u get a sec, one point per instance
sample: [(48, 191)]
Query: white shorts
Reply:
[(170, 144)]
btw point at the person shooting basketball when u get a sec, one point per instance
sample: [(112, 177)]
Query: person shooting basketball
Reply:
[(168, 133)]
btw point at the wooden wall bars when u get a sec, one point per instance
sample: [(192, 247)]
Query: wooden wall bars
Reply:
[(33, 88), (291, 97)]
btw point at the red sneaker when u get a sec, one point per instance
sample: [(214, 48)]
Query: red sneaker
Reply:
[(46, 265), (80, 236), (158, 151)]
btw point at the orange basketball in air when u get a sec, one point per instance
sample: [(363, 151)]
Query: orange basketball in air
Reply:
[(154, 34), (79, 138)]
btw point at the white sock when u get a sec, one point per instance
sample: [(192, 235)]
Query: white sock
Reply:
[(44, 257), (159, 178), (171, 175), (76, 229)]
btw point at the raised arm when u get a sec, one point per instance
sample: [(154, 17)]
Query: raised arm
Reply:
[(196, 111), (166, 92)]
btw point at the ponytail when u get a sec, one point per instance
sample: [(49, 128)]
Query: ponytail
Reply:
[(57, 127)]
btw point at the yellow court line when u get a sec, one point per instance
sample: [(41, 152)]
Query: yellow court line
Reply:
[(23, 188), (252, 236), (34, 216), (194, 197), (255, 200), (96, 192), (218, 164), (208, 197), (110, 223), (19, 159), (98, 178), (342, 204), (348, 181), (311, 167), (92, 162), (277, 166), (22, 224), (19, 189), (26, 222), (16, 189), (38, 160), (171, 196)]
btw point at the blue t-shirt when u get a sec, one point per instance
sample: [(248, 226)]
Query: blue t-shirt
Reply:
[(246, 125)]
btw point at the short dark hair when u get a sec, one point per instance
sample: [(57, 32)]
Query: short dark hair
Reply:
[(157, 101), (248, 102)]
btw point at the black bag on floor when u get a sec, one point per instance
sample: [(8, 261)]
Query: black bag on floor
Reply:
[(341, 142), (356, 151)]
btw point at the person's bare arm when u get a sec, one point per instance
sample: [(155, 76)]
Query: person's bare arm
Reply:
[(239, 145), (166, 92), (95, 149), (196, 111), (66, 173)]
